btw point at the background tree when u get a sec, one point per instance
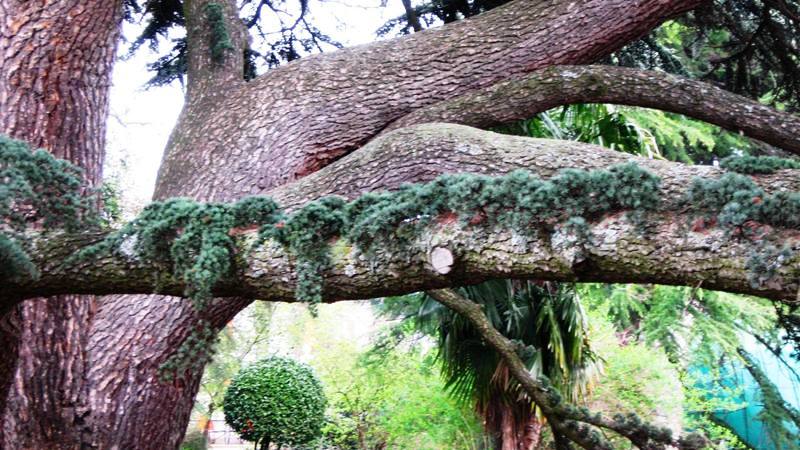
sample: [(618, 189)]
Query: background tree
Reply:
[(546, 320), (227, 130), (275, 401)]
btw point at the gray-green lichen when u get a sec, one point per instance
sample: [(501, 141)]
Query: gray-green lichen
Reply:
[(738, 205), (737, 200)]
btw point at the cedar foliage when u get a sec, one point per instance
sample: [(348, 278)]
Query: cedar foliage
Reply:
[(36, 190)]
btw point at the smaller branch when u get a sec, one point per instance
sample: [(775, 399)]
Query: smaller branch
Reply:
[(541, 394), (524, 97), (411, 16), (564, 419)]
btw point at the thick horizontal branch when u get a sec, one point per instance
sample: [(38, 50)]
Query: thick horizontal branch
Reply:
[(666, 254), (524, 97), (421, 153), (666, 251)]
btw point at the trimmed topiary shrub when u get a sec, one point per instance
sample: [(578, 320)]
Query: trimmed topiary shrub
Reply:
[(276, 400)]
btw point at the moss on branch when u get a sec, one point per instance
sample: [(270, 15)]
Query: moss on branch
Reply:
[(220, 38), (736, 203), (520, 200), (195, 241), (737, 199)]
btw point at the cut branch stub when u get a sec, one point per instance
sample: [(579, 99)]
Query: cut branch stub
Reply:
[(441, 259)]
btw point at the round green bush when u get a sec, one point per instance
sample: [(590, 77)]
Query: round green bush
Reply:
[(276, 400)]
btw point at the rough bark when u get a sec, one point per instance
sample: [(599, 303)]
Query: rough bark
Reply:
[(524, 97), (516, 425), (457, 148), (56, 66), (518, 436), (130, 406), (235, 139), (300, 117), (668, 252), (533, 434)]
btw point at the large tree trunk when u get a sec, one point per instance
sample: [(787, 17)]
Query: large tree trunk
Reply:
[(57, 57), (236, 138)]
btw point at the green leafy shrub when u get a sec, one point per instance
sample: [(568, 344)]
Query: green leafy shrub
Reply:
[(276, 400)]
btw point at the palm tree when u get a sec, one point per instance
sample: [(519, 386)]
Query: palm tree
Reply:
[(546, 318), (548, 322)]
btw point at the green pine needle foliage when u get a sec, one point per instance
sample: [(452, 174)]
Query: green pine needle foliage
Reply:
[(765, 261), (220, 38), (737, 199), (742, 207), (36, 190), (193, 241), (751, 165), (519, 200)]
